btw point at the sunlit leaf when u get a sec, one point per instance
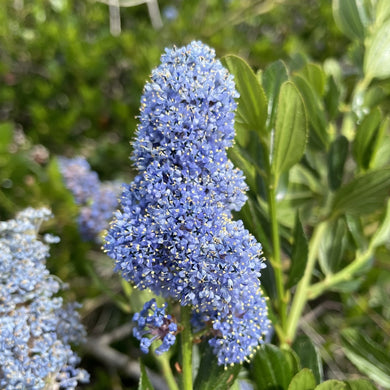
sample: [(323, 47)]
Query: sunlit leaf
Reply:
[(303, 380), (346, 15), (252, 104), (377, 58), (290, 130)]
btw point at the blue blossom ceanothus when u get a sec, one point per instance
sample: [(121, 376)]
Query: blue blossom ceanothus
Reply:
[(174, 233), (35, 326), (152, 321), (97, 200)]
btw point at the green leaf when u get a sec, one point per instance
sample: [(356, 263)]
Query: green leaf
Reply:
[(369, 357), (290, 130), (382, 12), (364, 194), (212, 376), (309, 356), (299, 254), (303, 380), (366, 138), (144, 382), (360, 384), (332, 385), (337, 156), (252, 104), (382, 234), (272, 79), (315, 76), (6, 132), (273, 368), (315, 112), (347, 18), (377, 55)]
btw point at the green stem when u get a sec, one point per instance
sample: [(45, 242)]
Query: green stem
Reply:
[(163, 362), (345, 274), (276, 260), (301, 294), (186, 347)]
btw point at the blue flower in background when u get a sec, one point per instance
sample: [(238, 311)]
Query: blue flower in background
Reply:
[(175, 234), (35, 326), (97, 200)]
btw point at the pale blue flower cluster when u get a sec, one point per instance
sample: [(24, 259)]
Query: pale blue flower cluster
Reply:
[(153, 321), (97, 200), (36, 328), (175, 234)]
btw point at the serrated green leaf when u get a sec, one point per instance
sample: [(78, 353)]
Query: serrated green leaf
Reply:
[(303, 380), (377, 55), (332, 385), (315, 112), (360, 384), (364, 194), (290, 130), (252, 104), (369, 357), (212, 376), (144, 382), (272, 368), (346, 15), (366, 138), (337, 156), (299, 254), (272, 79), (309, 356)]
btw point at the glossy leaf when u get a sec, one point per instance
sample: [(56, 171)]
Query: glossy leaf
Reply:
[(299, 254), (332, 385), (309, 356), (252, 104), (212, 376), (377, 58), (273, 368), (369, 357), (346, 15), (366, 138), (144, 382), (364, 194), (303, 380), (315, 112), (272, 79), (338, 153), (290, 130)]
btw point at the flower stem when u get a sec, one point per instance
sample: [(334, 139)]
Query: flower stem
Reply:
[(163, 362), (301, 294), (276, 260), (186, 347)]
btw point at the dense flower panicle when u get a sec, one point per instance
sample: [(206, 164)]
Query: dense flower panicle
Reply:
[(97, 200), (36, 328), (152, 321), (174, 233)]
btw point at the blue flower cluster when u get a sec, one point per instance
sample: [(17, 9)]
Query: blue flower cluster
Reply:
[(36, 328), (153, 321), (175, 234), (97, 200)]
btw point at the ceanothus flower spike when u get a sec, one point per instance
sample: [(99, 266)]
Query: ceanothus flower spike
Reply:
[(174, 233)]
